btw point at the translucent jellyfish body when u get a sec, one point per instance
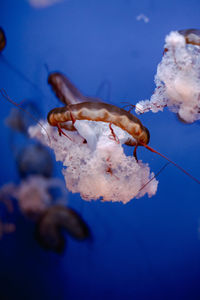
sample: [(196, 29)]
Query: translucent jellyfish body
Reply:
[(98, 168), (178, 77), (34, 194), (34, 159), (43, 3)]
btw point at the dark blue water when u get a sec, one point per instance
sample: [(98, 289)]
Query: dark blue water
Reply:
[(149, 248)]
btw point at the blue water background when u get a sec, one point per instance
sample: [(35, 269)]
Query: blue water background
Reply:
[(149, 248)]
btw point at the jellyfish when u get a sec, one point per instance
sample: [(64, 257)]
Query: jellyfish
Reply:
[(43, 3), (66, 91), (34, 159), (22, 116), (52, 224), (49, 212), (98, 168), (177, 79), (94, 161), (34, 194)]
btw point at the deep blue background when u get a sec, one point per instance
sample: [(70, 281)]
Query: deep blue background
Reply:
[(149, 248)]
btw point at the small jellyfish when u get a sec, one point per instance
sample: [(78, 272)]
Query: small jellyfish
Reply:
[(178, 77), (34, 159), (34, 195), (54, 222), (21, 116)]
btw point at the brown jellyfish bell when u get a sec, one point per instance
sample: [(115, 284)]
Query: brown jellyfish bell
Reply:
[(66, 91), (192, 36)]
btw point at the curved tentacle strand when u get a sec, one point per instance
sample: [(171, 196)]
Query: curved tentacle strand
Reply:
[(172, 162)]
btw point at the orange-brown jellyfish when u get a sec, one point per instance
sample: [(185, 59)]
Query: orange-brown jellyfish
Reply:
[(103, 112), (100, 112), (66, 91)]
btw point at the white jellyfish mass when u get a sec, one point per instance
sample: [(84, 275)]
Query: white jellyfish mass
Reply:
[(178, 77), (33, 194), (94, 162)]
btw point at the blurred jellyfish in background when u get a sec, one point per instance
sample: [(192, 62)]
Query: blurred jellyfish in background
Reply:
[(56, 219), (34, 195), (6, 211), (40, 197), (142, 17), (94, 161), (178, 77), (43, 3), (37, 202), (34, 159), (20, 119)]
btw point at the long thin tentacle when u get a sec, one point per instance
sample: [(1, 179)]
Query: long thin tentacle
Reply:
[(171, 161)]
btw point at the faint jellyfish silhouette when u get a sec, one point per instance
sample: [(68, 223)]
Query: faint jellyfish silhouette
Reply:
[(34, 195), (54, 222), (31, 158), (39, 196), (20, 118), (34, 159), (43, 3), (178, 77), (6, 210)]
